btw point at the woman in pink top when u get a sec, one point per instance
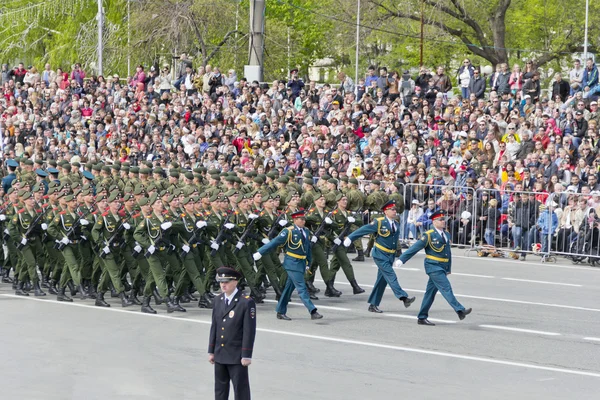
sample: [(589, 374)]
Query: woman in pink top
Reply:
[(516, 79)]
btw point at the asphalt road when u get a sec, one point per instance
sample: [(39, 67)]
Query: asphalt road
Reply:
[(534, 333)]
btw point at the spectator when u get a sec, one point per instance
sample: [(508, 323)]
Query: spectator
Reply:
[(560, 88)]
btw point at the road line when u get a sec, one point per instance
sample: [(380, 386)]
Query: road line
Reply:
[(474, 275), (338, 340), (445, 321), (593, 339), (292, 303), (506, 328), (542, 282)]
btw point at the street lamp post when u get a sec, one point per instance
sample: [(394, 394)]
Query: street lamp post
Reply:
[(357, 41), (585, 39)]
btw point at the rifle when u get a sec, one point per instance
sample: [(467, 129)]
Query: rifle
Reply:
[(321, 227), (344, 233), (195, 239), (275, 227), (158, 240), (221, 236), (245, 234), (33, 225), (108, 243), (60, 246)]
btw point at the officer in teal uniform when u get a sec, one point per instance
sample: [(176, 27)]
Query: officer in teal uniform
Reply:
[(387, 233), (297, 259), (438, 263), (8, 179)]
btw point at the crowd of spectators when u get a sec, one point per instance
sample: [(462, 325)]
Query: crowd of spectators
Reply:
[(454, 129)]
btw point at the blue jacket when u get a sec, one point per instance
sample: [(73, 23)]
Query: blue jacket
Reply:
[(297, 248), (438, 255), (7, 181), (544, 222), (590, 78), (386, 243), (425, 219)]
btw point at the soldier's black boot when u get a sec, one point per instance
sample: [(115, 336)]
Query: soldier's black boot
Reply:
[(45, 281), (360, 256), (335, 292), (5, 276), (91, 289), (52, 287), (257, 296), (266, 282), (27, 286), (368, 252), (277, 292), (157, 299), (133, 297), (311, 288), (125, 302), (20, 291), (186, 296), (126, 285), (100, 302), (62, 296), (146, 307), (171, 307), (331, 291), (72, 289), (15, 283), (205, 301), (355, 288), (113, 292), (176, 300), (37, 290), (83, 294), (351, 249)]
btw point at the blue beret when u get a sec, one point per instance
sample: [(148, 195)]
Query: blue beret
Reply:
[(12, 164), (41, 172), (52, 170), (88, 175)]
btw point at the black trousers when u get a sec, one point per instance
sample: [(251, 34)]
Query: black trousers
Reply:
[(238, 375)]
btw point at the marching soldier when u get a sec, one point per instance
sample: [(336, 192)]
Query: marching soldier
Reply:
[(374, 202), (356, 202)]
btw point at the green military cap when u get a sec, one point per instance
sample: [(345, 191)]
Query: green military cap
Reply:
[(152, 199), (126, 164), (230, 178), (186, 200), (116, 167), (59, 193), (272, 175), (144, 201), (273, 196), (174, 174), (164, 193), (197, 170), (37, 187), (326, 177), (376, 182), (344, 179), (112, 188), (398, 185), (114, 196), (223, 174), (10, 190), (125, 168), (307, 175), (76, 193), (97, 167), (283, 179), (190, 190), (148, 164), (318, 196), (308, 181), (151, 187), (170, 198), (195, 198), (28, 162), (67, 167), (128, 196), (353, 181), (232, 192), (340, 196), (214, 197), (85, 192), (144, 171), (53, 163), (158, 170), (203, 169), (69, 197), (214, 171), (258, 180), (139, 190), (117, 162), (254, 173), (291, 173), (52, 190), (135, 170), (89, 166), (174, 165), (197, 176), (189, 175), (39, 161), (53, 184), (216, 178), (248, 174), (333, 181), (76, 164), (25, 194), (106, 168), (237, 180)]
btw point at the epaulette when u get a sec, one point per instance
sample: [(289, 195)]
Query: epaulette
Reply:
[(22, 210), (39, 211), (247, 297), (311, 210), (379, 218), (429, 231), (183, 215), (62, 212), (165, 212), (94, 212), (104, 214), (335, 212)]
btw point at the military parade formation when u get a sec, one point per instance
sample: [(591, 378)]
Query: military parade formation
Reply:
[(149, 235)]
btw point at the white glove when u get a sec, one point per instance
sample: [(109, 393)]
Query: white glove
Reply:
[(239, 245), (65, 240), (265, 241), (44, 226), (106, 250), (351, 220), (283, 222), (328, 220), (137, 248), (347, 242), (337, 241), (126, 226), (229, 226), (257, 256), (6, 231), (83, 237), (151, 249), (201, 224), (252, 216), (23, 241), (2, 217), (185, 248), (166, 225), (314, 239), (398, 263), (214, 246), (84, 222)]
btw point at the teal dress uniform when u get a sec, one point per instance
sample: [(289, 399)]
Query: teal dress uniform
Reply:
[(298, 256), (438, 264), (387, 234)]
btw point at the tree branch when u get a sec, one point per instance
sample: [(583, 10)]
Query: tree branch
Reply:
[(216, 49)]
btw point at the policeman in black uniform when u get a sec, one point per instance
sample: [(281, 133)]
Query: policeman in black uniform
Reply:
[(232, 334)]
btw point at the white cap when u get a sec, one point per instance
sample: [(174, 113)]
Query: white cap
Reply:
[(321, 151), (415, 202)]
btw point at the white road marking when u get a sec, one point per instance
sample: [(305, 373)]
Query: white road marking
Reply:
[(506, 328), (293, 303), (473, 275), (338, 340), (542, 282), (593, 339), (445, 321)]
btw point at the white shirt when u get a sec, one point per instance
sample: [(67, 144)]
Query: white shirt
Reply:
[(228, 299), (391, 222), (442, 234)]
